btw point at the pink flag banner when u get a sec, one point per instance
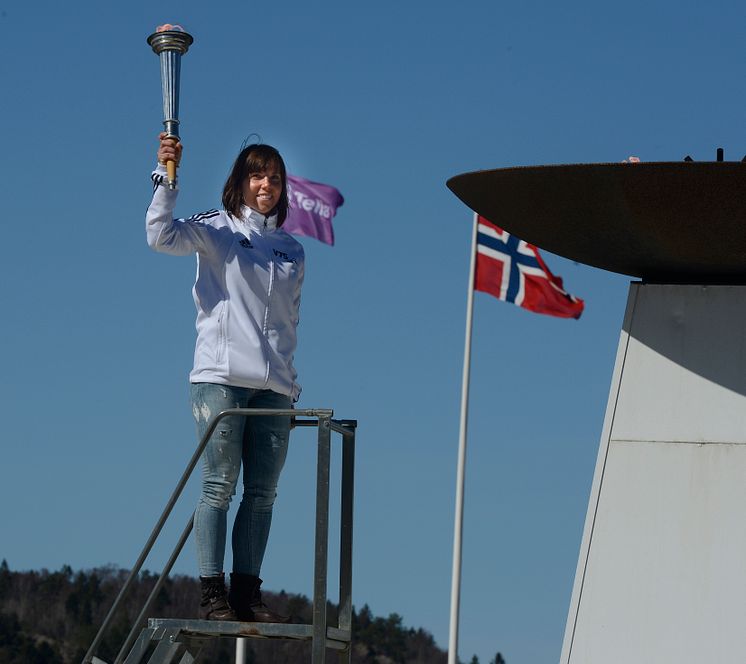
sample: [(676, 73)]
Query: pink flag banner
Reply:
[(312, 207)]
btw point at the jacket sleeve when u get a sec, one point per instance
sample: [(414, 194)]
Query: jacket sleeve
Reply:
[(178, 237)]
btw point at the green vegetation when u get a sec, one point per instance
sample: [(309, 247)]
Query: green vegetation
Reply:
[(52, 618)]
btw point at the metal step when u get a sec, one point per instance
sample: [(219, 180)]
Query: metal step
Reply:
[(336, 638), (180, 641)]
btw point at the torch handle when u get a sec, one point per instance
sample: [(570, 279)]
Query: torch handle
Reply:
[(171, 127), (171, 170)]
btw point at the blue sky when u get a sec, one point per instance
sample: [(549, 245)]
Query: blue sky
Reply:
[(385, 101)]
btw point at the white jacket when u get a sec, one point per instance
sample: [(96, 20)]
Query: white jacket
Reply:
[(247, 292)]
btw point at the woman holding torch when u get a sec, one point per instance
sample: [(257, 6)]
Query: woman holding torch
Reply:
[(247, 294)]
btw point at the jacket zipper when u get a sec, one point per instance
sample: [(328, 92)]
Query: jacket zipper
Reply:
[(265, 325), (220, 354)]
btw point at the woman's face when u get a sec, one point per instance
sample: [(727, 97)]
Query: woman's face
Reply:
[(261, 191)]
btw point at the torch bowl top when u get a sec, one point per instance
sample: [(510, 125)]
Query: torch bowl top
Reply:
[(170, 40), (679, 222)]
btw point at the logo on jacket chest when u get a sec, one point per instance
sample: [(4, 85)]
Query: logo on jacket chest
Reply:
[(283, 256)]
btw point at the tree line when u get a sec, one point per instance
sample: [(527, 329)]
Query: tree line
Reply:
[(52, 618)]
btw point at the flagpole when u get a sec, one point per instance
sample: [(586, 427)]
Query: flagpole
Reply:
[(461, 468)]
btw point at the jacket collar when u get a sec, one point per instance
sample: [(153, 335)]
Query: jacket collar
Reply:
[(257, 220)]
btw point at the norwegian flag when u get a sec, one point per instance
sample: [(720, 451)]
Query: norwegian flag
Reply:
[(512, 270)]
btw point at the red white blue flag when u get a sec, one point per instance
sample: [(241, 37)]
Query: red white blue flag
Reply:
[(312, 208), (512, 270)]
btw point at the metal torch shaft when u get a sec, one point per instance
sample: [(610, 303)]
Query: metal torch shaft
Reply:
[(170, 75)]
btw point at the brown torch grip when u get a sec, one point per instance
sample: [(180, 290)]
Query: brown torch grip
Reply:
[(171, 170)]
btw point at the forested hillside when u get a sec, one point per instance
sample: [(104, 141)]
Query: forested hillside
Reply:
[(52, 617)]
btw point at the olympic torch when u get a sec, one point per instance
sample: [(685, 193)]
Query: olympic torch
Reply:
[(170, 42)]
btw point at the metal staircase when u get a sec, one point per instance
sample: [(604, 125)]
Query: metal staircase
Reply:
[(167, 641)]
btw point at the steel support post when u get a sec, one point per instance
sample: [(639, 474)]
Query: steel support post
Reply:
[(347, 429), (321, 548)]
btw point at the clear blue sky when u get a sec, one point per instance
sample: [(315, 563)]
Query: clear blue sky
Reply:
[(384, 100)]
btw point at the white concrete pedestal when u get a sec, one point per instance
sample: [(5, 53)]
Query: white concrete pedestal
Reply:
[(661, 576)]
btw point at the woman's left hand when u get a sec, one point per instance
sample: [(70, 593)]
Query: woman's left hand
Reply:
[(169, 150)]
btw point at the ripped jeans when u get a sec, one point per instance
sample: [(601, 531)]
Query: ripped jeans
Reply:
[(260, 445)]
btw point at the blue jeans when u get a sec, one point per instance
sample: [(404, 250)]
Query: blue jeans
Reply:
[(260, 445)]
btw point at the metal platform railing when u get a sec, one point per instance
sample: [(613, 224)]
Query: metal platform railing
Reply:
[(181, 640)]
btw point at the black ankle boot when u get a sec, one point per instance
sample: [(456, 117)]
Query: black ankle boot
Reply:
[(246, 598), (214, 604)]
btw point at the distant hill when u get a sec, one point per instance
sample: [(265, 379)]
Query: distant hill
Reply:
[(52, 618)]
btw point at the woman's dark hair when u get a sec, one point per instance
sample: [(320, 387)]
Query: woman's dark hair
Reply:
[(256, 158)]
